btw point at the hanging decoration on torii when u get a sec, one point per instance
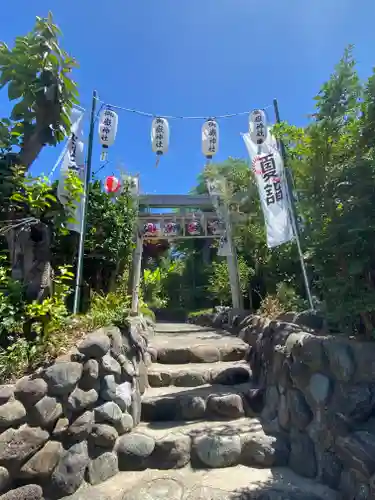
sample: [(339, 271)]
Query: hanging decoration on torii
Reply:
[(171, 229)]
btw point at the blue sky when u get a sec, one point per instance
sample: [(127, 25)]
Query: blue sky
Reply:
[(196, 57)]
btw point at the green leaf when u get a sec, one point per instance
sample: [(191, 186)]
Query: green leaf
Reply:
[(18, 197), (19, 110), (14, 90), (5, 77), (51, 197)]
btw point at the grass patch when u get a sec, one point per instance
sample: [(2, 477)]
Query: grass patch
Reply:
[(200, 312)]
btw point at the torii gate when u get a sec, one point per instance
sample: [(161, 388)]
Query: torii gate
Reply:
[(181, 203)]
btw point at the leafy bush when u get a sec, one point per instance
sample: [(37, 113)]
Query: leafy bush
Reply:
[(219, 283), (11, 304), (271, 307), (286, 299), (107, 309), (153, 291), (30, 333), (160, 285), (104, 309), (289, 298), (200, 312)]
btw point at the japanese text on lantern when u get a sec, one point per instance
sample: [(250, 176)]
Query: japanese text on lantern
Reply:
[(260, 128), (159, 133), (107, 124), (272, 187), (212, 134)]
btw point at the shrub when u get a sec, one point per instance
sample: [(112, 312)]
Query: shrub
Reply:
[(219, 282), (286, 299), (271, 307), (107, 309), (200, 312), (30, 333)]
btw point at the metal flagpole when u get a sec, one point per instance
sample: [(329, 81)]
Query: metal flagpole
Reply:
[(137, 258), (137, 271), (82, 235), (292, 208)]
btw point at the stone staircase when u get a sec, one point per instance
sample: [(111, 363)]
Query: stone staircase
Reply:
[(200, 407), (200, 422)]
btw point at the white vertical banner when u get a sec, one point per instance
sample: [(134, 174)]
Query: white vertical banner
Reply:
[(268, 168), (73, 160)]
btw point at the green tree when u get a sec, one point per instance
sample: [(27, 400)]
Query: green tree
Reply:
[(267, 267), (332, 160), (334, 165), (36, 74), (109, 240)]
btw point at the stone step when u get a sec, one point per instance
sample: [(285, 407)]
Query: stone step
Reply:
[(236, 483), (204, 402), (209, 444), (196, 347), (196, 374)]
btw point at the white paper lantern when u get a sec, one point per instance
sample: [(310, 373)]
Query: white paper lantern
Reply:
[(258, 126), (210, 138), (159, 135), (108, 121)]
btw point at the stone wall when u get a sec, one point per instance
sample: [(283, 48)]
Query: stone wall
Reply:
[(64, 424), (319, 392)]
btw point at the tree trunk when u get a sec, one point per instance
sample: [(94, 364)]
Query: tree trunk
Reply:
[(30, 257), (368, 324)]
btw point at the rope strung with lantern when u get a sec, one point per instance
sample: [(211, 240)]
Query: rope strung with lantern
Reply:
[(175, 117), (160, 132)]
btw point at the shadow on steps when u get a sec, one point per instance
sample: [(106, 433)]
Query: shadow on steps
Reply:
[(205, 403)]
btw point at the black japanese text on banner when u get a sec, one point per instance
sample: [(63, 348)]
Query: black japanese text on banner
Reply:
[(73, 160), (268, 168)]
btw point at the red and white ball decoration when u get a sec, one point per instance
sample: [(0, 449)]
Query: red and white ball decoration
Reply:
[(108, 122), (210, 138), (258, 126), (112, 185)]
